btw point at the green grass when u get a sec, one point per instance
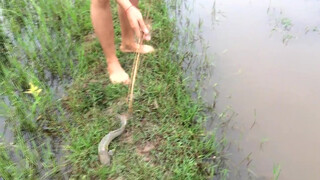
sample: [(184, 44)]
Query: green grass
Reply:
[(276, 171), (58, 137)]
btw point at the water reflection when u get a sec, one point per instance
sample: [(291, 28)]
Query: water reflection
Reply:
[(265, 58), (6, 135)]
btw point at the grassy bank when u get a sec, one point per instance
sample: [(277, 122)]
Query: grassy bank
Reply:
[(50, 45)]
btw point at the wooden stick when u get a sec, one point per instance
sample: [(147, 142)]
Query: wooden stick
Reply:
[(134, 76), (134, 72)]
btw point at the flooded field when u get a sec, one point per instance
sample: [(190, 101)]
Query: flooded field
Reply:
[(264, 74)]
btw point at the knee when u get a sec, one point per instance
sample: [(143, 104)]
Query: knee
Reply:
[(100, 3)]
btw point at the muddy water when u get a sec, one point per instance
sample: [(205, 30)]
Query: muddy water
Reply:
[(266, 56), (6, 134)]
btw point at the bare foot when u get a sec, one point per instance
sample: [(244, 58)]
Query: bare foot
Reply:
[(117, 74), (135, 48)]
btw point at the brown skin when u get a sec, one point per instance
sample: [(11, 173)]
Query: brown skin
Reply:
[(132, 24)]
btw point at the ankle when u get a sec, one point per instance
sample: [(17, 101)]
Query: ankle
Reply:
[(128, 45), (112, 60), (114, 67)]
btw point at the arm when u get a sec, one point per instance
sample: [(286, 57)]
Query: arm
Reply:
[(125, 4), (135, 19)]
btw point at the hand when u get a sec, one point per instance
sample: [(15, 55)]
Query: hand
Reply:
[(137, 23)]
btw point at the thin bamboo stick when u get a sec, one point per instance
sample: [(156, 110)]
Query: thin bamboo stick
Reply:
[(134, 72)]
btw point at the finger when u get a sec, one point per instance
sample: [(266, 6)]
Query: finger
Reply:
[(137, 32), (147, 37), (136, 29), (143, 27)]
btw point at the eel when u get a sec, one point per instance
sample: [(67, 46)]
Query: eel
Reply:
[(104, 154)]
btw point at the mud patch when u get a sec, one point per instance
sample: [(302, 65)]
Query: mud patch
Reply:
[(144, 150)]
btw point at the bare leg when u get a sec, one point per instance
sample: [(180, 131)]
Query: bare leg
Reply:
[(129, 43), (102, 22)]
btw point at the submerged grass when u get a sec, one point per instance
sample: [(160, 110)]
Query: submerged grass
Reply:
[(57, 137)]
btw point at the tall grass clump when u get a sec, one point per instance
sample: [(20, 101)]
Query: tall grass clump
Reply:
[(39, 44)]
